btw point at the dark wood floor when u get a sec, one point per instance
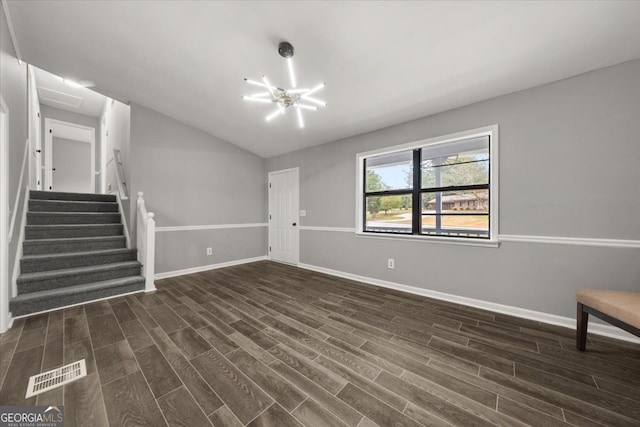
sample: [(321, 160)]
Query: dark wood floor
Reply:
[(270, 345)]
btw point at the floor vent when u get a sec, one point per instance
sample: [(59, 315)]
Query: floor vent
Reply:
[(49, 380)]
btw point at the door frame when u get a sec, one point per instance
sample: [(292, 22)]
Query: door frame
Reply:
[(4, 217), (35, 133), (297, 213), (68, 131)]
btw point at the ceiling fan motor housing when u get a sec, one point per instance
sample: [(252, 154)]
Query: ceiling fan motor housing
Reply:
[(285, 49)]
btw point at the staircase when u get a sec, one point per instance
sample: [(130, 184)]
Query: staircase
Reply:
[(74, 251)]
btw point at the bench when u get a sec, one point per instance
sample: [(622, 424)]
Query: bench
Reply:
[(619, 308)]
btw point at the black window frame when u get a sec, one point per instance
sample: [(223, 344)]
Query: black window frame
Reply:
[(416, 193)]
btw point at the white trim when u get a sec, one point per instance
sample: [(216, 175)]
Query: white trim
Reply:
[(35, 132), (5, 316), (595, 328), (17, 202), (77, 304), (192, 270), (494, 142), (12, 32), (575, 241), (20, 247), (209, 227), (550, 240), (487, 243), (71, 131), (336, 229)]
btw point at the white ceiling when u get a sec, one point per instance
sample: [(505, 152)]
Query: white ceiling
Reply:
[(384, 62), (53, 92)]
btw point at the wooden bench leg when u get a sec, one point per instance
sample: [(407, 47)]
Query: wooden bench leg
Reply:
[(581, 330)]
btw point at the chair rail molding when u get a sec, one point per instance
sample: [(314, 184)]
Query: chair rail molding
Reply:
[(210, 227)]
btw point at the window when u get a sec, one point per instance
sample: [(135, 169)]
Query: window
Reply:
[(440, 189)]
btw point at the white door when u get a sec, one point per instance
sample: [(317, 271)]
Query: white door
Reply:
[(71, 166), (69, 157), (283, 216)]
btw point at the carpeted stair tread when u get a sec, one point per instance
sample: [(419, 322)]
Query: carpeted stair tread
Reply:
[(35, 263), (54, 274), (86, 197), (71, 206), (36, 232), (55, 279), (66, 245), (72, 254), (45, 300), (54, 218), (70, 239)]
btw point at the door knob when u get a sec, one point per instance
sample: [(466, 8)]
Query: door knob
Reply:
[(294, 224)]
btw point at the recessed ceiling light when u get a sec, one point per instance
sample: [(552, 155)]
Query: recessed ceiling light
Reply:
[(78, 84), (71, 83)]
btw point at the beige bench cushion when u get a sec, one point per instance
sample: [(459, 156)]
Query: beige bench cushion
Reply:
[(624, 306)]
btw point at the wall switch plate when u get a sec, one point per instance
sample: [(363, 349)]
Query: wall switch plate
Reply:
[(303, 213), (209, 251), (391, 263)]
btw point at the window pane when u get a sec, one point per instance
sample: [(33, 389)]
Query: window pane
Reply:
[(390, 172), (456, 225), (465, 168), (456, 213), (389, 214), (468, 201)]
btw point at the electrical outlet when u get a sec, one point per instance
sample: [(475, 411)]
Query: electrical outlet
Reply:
[(209, 251), (391, 263)]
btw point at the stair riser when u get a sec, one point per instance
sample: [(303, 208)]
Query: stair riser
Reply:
[(34, 266), (52, 195), (47, 206), (64, 247), (36, 218), (78, 279), (22, 308), (71, 232)]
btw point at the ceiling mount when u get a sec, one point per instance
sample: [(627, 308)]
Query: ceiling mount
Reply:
[(285, 98), (285, 49)]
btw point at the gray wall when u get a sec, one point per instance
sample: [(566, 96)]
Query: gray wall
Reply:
[(192, 178), (569, 155), (48, 112), (13, 87)]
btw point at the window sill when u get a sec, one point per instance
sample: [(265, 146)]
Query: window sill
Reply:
[(487, 243)]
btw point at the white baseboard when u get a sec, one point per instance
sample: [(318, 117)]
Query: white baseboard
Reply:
[(192, 270), (594, 328), (9, 324)]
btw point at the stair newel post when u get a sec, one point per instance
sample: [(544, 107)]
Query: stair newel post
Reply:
[(146, 238), (149, 267)]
